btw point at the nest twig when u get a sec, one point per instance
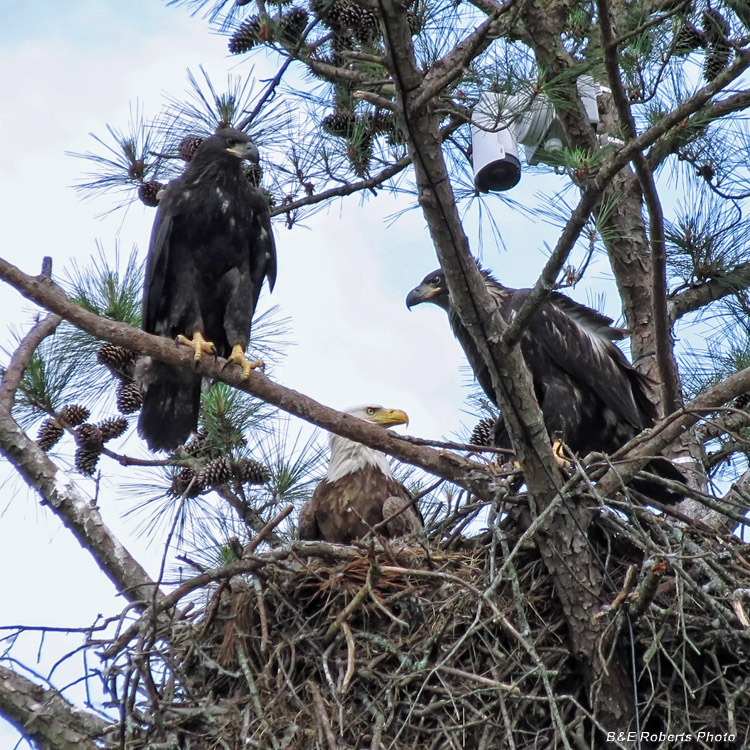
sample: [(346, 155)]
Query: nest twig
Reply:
[(327, 647)]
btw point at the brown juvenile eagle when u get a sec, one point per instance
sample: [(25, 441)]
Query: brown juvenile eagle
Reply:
[(211, 247), (591, 397), (359, 490)]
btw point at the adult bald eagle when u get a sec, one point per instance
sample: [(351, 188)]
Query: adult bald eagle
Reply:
[(591, 397), (211, 247), (359, 490)]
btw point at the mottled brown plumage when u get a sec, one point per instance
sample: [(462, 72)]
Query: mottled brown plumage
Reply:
[(591, 397), (211, 249), (359, 491)]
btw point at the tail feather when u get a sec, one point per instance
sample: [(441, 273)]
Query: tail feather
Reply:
[(170, 405), (654, 490)]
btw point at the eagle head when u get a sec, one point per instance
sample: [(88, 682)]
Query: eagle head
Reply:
[(378, 415), (348, 456), (432, 289), (230, 141)]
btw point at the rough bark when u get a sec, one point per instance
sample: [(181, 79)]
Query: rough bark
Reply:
[(563, 541), (45, 717)]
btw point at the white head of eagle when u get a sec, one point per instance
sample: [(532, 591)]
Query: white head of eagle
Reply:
[(348, 456)]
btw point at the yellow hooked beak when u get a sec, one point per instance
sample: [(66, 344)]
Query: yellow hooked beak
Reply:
[(388, 417)]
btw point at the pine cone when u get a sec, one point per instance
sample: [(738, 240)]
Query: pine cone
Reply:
[(687, 39), (49, 434), (129, 398), (88, 436), (118, 359), (188, 146), (86, 460), (196, 444), (185, 483), (340, 124), (706, 171), (112, 428), (366, 27), (255, 31), (253, 173), (484, 432), (415, 22), (149, 191), (715, 26), (249, 471), (717, 59), (359, 153), (347, 14), (216, 472), (73, 414), (293, 24)]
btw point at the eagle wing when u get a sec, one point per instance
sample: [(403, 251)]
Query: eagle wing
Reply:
[(307, 523), (157, 262), (589, 358), (401, 516), (265, 250)]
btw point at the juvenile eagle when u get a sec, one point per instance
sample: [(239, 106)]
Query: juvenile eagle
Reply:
[(591, 397), (359, 490), (211, 247)]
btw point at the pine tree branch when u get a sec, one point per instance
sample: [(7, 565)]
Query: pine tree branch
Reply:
[(45, 717), (592, 192), (631, 458), (472, 475), (666, 365), (578, 579), (369, 183), (477, 311), (703, 294), (446, 70), (687, 130), (22, 356)]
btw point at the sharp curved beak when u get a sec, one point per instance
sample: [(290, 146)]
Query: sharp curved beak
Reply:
[(390, 417), (247, 151), (422, 293)]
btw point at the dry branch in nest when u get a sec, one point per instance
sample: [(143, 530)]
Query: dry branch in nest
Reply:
[(411, 646)]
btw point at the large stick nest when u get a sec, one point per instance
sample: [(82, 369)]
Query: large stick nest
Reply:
[(418, 646)]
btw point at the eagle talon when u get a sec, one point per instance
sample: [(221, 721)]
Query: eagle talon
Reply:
[(237, 357), (198, 344), (560, 452)]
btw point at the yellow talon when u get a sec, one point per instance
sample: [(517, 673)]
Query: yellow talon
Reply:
[(198, 344), (560, 452), (238, 357)]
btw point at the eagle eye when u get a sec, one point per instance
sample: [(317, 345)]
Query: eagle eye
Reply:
[(435, 281), (231, 142), (370, 410)]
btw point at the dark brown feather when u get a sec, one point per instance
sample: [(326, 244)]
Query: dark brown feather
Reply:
[(344, 510)]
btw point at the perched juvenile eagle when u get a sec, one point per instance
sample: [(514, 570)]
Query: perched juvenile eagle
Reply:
[(359, 490), (591, 397), (211, 247)]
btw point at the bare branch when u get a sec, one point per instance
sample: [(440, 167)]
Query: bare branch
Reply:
[(22, 356), (45, 717), (700, 295), (641, 449), (472, 475)]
